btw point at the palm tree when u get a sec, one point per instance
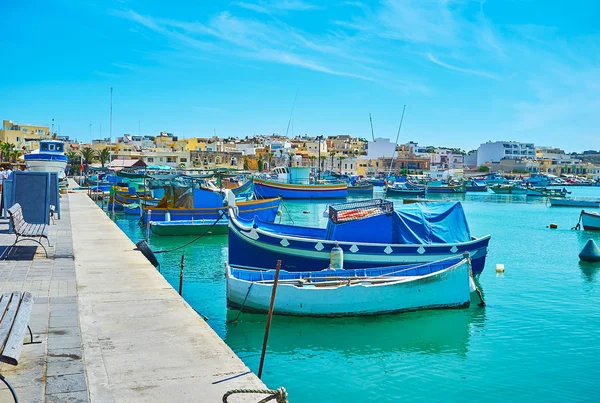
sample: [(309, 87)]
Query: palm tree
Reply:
[(332, 154), (340, 159), (103, 156), (14, 155), (72, 157), (312, 159), (323, 158), (6, 149), (270, 155), (88, 155), (280, 155)]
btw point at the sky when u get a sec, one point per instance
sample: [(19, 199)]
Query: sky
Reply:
[(467, 71)]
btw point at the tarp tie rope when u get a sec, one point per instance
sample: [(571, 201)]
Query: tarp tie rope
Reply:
[(196, 239)]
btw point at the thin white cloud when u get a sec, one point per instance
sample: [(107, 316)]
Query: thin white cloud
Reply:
[(276, 6), (480, 73)]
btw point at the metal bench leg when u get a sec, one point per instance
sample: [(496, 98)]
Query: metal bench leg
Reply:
[(34, 240), (31, 336), (12, 391)]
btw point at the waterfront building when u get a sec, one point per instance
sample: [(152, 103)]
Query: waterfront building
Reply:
[(444, 158), (380, 148), (495, 151), (216, 159), (23, 135)]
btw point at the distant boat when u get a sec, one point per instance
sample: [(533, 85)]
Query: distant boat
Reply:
[(436, 188), (50, 157), (543, 192), (475, 186), (590, 220), (370, 233), (360, 189), (267, 189), (400, 189), (508, 189), (376, 181), (375, 291), (573, 202)]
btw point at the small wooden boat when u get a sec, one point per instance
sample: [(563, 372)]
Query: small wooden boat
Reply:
[(508, 189), (421, 200), (573, 202), (590, 220), (474, 186), (189, 227), (264, 189), (391, 191), (360, 189), (375, 291), (543, 192)]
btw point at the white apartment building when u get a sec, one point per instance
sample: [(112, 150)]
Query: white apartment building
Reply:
[(380, 148), (495, 151)]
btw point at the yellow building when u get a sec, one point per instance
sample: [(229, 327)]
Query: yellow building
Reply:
[(23, 135)]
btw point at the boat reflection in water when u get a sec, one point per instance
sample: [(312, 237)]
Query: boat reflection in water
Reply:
[(391, 351)]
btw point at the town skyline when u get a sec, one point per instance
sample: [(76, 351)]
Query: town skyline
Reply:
[(468, 72)]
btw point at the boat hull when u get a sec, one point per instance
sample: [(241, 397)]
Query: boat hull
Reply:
[(184, 227), (573, 203), (508, 191), (404, 192), (269, 189), (255, 248), (448, 288), (361, 189), (590, 221), (37, 165), (265, 210)]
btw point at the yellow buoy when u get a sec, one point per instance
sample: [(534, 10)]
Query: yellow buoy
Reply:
[(553, 226), (499, 268)]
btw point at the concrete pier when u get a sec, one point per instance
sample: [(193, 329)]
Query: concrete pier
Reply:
[(112, 327)]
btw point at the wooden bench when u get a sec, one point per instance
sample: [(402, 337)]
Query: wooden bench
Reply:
[(27, 231), (15, 311)]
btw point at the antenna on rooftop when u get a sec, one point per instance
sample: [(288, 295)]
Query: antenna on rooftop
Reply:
[(372, 134)]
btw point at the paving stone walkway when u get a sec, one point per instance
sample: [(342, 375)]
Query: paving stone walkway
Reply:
[(52, 371)]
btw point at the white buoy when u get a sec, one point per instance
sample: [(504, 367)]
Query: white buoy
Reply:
[(167, 216), (336, 258), (499, 268)]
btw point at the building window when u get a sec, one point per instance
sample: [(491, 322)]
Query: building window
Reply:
[(18, 139), (150, 159), (24, 130), (182, 159)]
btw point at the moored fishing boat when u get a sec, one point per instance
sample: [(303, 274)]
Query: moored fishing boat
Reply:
[(265, 209), (508, 189), (573, 202), (268, 189), (50, 157), (370, 233), (365, 188), (590, 220), (374, 291), (399, 189), (475, 186)]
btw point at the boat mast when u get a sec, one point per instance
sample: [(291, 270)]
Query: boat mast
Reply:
[(397, 137), (110, 130), (372, 133)]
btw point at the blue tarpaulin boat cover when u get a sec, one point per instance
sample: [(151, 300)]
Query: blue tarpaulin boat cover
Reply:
[(419, 223)]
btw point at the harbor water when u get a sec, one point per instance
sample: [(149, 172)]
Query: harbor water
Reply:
[(538, 338)]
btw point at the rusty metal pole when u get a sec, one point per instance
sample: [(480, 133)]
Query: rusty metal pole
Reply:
[(181, 275), (269, 317)]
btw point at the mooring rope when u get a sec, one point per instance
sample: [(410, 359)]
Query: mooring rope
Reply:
[(243, 305), (279, 394), (286, 210), (193, 240), (577, 227)]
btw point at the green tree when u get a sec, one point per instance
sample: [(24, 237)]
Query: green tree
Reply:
[(260, 163), (6, 149), (270, 155), (312, 159), (103, 155), (332, 154), (88, 155), (323, 158), (341, 159), (483, 168), (14, 155)]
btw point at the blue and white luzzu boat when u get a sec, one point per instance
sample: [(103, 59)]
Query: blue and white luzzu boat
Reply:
[(371, 234), (50, 157)]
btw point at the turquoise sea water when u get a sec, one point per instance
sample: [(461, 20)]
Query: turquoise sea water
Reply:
[(538, 339)]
